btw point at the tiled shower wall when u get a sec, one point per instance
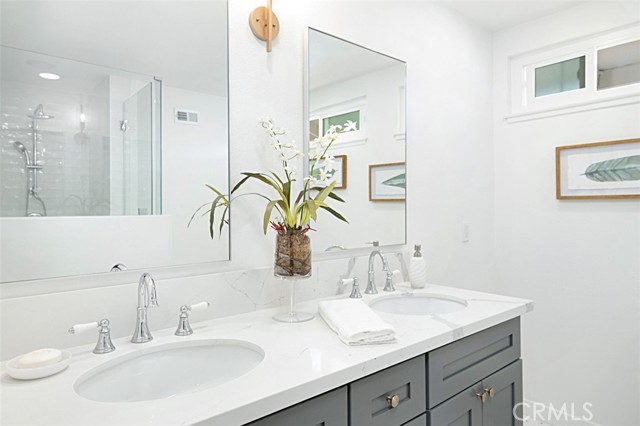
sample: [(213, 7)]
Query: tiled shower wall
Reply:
[(75, 175)]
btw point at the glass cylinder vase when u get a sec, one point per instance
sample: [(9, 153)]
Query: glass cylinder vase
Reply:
[(292, 263), (293, 255)]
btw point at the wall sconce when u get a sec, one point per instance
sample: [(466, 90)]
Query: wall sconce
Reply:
[(264, 24)]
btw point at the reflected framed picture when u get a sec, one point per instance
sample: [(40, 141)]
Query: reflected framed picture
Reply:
[(387, 182), (340, 172), (598, 170)]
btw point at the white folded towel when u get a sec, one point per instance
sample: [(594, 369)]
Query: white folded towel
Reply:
[(355, 322)]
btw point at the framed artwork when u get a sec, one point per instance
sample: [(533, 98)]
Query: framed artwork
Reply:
[(340, 172), (387, 182), (598, 170)]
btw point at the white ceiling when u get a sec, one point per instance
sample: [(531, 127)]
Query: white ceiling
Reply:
[(498, 14), (182, 42)]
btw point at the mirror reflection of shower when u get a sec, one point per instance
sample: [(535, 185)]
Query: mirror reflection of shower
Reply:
[(33, 165), (80, 162)]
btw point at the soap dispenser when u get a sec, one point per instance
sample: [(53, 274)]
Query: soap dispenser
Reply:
[(417, 269)]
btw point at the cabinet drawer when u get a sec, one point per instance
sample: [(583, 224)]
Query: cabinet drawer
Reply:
[(329, 409), (453, 367), (368, 396)]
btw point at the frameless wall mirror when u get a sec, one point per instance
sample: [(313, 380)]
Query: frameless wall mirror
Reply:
[(114, 116), (362, 92)]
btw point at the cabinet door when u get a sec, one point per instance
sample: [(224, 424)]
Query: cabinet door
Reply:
[(507, 392), (329, 409), (464, 409), (418, 421)]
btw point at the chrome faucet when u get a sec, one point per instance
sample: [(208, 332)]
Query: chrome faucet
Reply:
[(371, 282), (146, 299)]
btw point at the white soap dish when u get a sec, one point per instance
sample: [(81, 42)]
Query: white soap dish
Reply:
[(37, 372)]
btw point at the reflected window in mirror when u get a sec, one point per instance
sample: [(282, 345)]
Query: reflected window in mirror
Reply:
[(360, 91)]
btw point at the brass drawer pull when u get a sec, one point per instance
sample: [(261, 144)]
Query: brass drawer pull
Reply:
[(491, 392), (482, 396), (393, 400)]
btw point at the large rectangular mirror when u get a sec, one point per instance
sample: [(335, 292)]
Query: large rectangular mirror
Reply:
[(114, 116), (363, 93)]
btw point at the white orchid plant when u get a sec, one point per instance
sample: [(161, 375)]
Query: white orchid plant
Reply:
[(293, 214)]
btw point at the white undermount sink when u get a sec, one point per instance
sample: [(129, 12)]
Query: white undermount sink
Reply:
[(167, 370), (418, 304)]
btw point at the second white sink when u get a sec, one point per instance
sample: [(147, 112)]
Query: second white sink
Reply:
[(418, 304), (167, 370)]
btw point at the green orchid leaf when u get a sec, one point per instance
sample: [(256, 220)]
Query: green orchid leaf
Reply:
[(277, 178), (313, 209), (222, 221), (334, 213), (239, 184), (332, 194), (212, 214), (300, 196), (267, 215), (220, 194), (265, 179), (286, 189), (322, 195), (196, 212)]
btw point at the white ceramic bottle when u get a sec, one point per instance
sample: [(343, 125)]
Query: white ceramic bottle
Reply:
[(417, 269)]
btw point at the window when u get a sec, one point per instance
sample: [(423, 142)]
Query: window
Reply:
[(560, 77), (591, 72), (619, 65), (349, 116)]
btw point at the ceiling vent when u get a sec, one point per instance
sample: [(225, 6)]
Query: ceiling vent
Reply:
[(187, 117)]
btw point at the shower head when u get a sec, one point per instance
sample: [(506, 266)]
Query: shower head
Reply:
[(22, 150), (38, 114)]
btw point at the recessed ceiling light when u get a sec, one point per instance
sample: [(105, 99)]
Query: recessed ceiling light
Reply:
[(49, 76)]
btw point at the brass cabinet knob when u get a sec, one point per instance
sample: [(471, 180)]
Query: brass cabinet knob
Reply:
[(393, 400), (491, 392), (482, 396)]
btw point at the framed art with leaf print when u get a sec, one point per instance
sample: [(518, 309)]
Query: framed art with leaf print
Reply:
[(387, 182), (598, 170)]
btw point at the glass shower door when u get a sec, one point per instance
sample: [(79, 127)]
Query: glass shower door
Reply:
[(137, 131)]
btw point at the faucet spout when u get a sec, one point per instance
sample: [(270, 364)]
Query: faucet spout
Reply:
[(147, 298), (371, 283)]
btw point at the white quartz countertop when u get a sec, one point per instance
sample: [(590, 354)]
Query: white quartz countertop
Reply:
[(301, 360)]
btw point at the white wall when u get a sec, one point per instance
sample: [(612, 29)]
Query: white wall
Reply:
[(449, 155), (579, 260)]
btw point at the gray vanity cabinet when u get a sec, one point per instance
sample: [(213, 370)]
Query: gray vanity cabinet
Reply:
[(488, 403), (474, 381), (329, 409)]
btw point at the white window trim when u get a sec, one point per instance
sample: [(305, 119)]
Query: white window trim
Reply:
[(525, 106)]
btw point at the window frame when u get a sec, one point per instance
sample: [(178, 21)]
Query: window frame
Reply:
[(525, 105)]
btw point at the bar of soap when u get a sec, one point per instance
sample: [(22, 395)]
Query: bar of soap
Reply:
[(39, 358)]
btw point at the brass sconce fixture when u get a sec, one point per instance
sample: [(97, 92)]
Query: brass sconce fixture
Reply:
[(264, 24)]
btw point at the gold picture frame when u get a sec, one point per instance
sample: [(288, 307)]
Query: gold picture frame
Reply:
[(387, 182), (600, 170), (340, 174)]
